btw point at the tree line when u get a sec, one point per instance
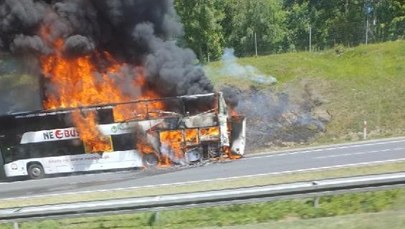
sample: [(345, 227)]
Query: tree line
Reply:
[(276, 26)]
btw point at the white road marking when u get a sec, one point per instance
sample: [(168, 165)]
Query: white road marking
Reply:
[(211, 180), (359, 153), (321, 150)]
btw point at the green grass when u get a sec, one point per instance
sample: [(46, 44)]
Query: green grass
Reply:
[(208, 185), (362, 83), (392, 220), (277, 212), (364, 62)]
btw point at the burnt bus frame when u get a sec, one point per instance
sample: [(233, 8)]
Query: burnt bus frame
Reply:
[(12, 127)]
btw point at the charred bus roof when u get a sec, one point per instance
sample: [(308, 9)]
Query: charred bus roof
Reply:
[(109, 106)]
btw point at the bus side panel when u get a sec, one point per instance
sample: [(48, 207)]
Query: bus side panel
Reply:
[(105, 161), (16, 168), (78, 163), (95, 161)]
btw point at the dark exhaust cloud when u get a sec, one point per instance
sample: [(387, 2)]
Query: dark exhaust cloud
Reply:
[(137, 32)]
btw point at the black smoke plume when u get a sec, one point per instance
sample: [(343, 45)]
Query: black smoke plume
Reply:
[(135, 32)]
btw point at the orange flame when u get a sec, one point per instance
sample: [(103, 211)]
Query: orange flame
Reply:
[(76, 82), (174, 140), (79, 81), (191, 137), (93, 140), (210, 133)]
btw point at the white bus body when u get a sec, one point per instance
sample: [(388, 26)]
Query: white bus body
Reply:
[(77, 163)]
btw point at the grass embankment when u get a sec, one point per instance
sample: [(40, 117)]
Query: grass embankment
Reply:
[(357, 84), (278, 214)]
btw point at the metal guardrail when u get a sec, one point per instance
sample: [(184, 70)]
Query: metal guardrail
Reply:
[(219, 197)]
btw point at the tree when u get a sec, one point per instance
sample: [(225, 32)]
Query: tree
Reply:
[(245, 18), (298, 23), (389, 18), (332, 22), (282, 25), (348, 26), (203, 32)]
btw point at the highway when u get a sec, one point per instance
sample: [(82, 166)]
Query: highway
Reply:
[(334, 156)]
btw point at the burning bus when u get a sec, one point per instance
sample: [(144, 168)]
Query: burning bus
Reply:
[(156, 132), (115, 90)]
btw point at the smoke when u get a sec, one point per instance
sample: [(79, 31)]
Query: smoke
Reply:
[(231, 95), (78, 45), (142, 35), (232, 68), (28, 45), (135, 32), (291, 115)]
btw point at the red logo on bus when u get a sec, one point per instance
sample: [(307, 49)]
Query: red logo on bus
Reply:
[(66, 133), (61, 134)]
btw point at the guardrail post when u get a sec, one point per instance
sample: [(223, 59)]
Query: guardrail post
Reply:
[(154, 219), (16, 226), (316, 202), (365, 131), (316, 199)]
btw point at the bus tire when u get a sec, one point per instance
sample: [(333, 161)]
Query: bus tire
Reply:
[(150, 160), (35, 171)]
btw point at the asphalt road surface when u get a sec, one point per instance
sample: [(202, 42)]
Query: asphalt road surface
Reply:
[(356, 154)]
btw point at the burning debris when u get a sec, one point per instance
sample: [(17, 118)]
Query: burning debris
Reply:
[(96, 52)]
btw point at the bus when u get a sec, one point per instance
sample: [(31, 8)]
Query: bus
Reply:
[(167, 131)]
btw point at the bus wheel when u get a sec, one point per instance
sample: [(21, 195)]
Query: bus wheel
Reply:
[(35, 171), (150, 160)]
